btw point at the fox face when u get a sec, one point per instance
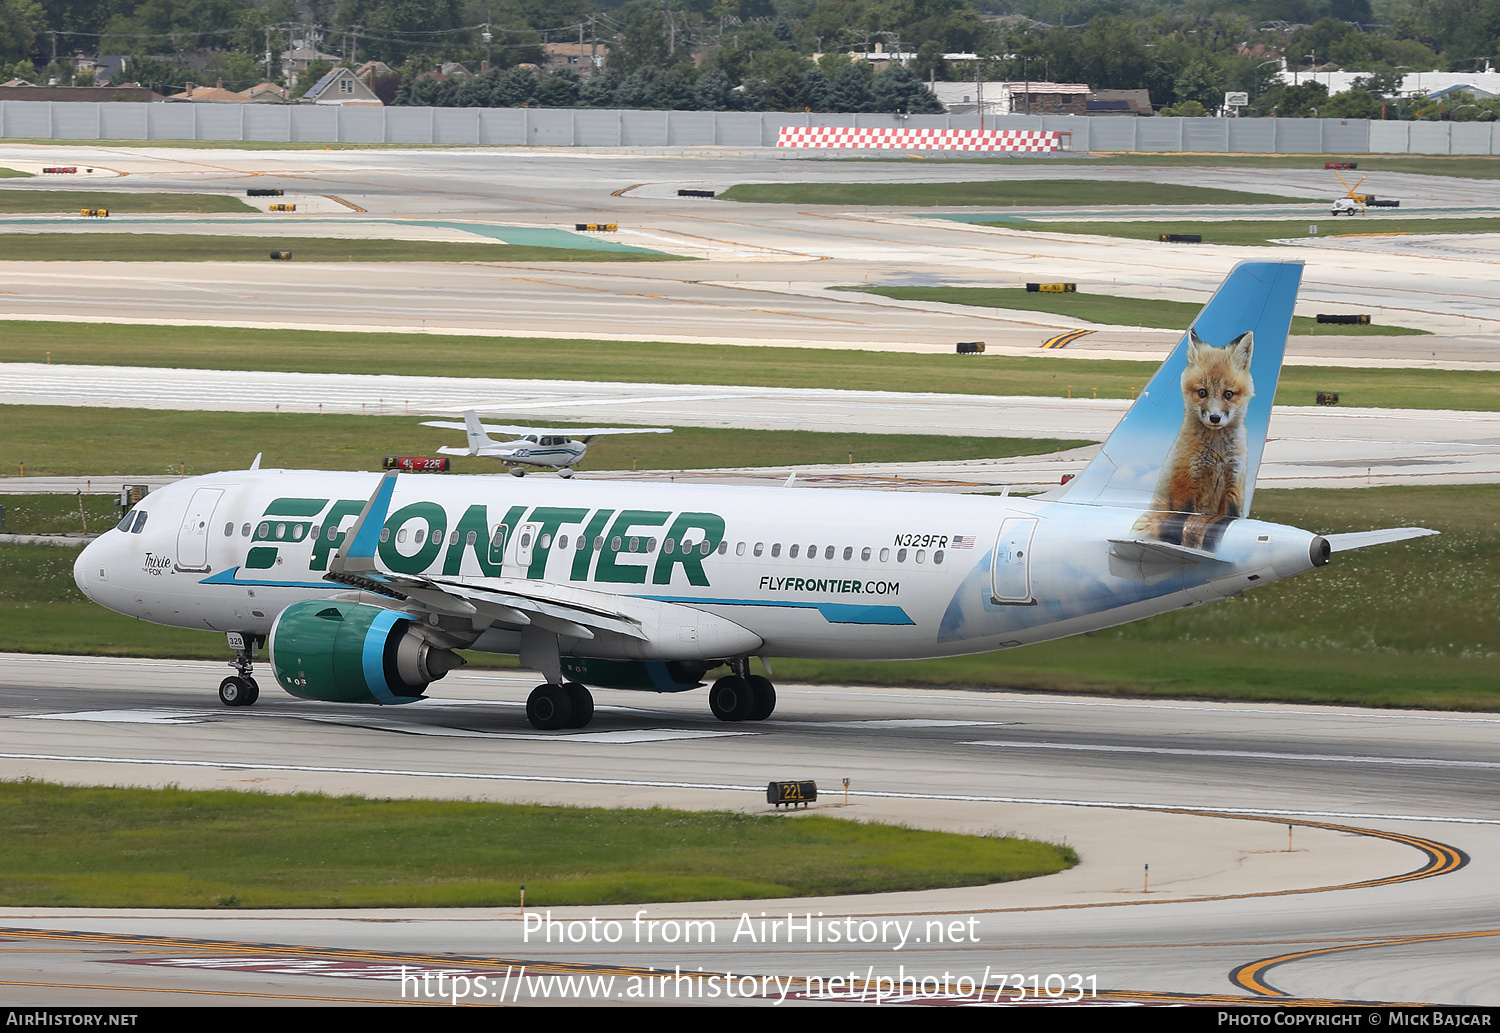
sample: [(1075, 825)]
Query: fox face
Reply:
[(1216, 385)]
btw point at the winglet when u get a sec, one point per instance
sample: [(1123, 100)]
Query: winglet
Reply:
[(358, 554)]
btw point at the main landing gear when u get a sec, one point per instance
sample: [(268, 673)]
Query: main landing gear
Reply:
[(240, 690), (742, 696), (552, 706)]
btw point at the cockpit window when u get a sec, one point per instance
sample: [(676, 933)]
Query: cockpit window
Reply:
[(140, 522), (126, 521), (532, 438)]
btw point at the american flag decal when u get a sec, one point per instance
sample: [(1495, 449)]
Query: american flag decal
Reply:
[(963, 541)]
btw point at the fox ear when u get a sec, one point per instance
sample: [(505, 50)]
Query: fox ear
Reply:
[(1195, 347), (1241, 348)]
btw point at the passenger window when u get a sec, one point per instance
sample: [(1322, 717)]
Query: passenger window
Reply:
[(263, 531), (650, 544), (760, 547), (316, 530), (793, 553), (280, 530), (614, 544), (525, 539), (599, 543), (706, 548), (776, 549), (635, 544), (385, 534), (562, 541), (421, 534), (245, 532), (864, 554), (499, 538), (921, 555), (668, 546), (828, 553), (900, 555), (937, 557), (453, 538), (229, 530), (473, 537), (848, 553), (739, 550), (545, 540), (812, 552), (401, 536), (885, 555)]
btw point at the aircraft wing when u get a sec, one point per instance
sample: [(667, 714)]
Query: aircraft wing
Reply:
[(574, 432)]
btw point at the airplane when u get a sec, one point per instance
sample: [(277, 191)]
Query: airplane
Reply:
[(559, 449), (363, 586)]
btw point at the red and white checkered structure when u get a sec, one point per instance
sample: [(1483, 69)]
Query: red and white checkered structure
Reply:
[(1021, 140)]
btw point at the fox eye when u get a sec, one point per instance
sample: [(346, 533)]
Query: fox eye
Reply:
[(1228, 396), (1202, 392)]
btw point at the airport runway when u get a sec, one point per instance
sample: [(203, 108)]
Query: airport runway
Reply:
[(1389, 887), (1310, 447), (767, 267)]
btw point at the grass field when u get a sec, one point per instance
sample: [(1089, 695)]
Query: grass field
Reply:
[(1063, 192), (1267, 232), (91, 847), (111, 442), (123, 202), (1098, 308), (311, 351), (1411, 624), (205, 247), (14, 174), (57, 514)]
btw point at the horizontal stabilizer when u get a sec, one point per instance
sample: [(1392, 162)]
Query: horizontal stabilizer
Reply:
[(1364, 539)]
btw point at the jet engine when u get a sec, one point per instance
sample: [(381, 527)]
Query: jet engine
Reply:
[(343, 652)]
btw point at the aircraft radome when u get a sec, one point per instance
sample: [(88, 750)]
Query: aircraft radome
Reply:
[(534, 446), (363, 585)]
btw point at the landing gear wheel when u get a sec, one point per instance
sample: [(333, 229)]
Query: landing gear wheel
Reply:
[(731, 698), (238, 692), (518, 471), (583, 704), (549, 708), (765, 698)]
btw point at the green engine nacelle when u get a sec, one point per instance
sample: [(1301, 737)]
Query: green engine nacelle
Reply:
[(651, 675), (353, 653)]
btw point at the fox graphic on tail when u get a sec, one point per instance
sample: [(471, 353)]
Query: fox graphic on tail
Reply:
[(1202, 482)]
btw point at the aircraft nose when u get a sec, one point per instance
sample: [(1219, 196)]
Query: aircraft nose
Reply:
[(88, 556)]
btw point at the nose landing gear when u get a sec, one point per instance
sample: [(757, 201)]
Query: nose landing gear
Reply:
[(240, 689)]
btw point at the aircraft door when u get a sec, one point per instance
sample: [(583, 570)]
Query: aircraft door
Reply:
[(1010, 569), (192, 538), (525, 537)]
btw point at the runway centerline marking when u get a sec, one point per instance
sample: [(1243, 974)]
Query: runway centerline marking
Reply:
[(1167, 751)]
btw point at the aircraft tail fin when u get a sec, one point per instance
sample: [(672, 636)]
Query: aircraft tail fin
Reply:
[(1190, 446), (478, 439)]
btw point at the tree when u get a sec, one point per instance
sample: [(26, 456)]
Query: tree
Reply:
[(1351, 104), (19, 21), (598, 91), (899, 89), (1201, 82), (850, 90), (712, 92), (558, 90)]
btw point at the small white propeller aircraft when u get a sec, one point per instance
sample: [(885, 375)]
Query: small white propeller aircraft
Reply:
[(560, 450)]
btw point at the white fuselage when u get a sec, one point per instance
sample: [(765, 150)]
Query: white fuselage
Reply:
[(809, 572)]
